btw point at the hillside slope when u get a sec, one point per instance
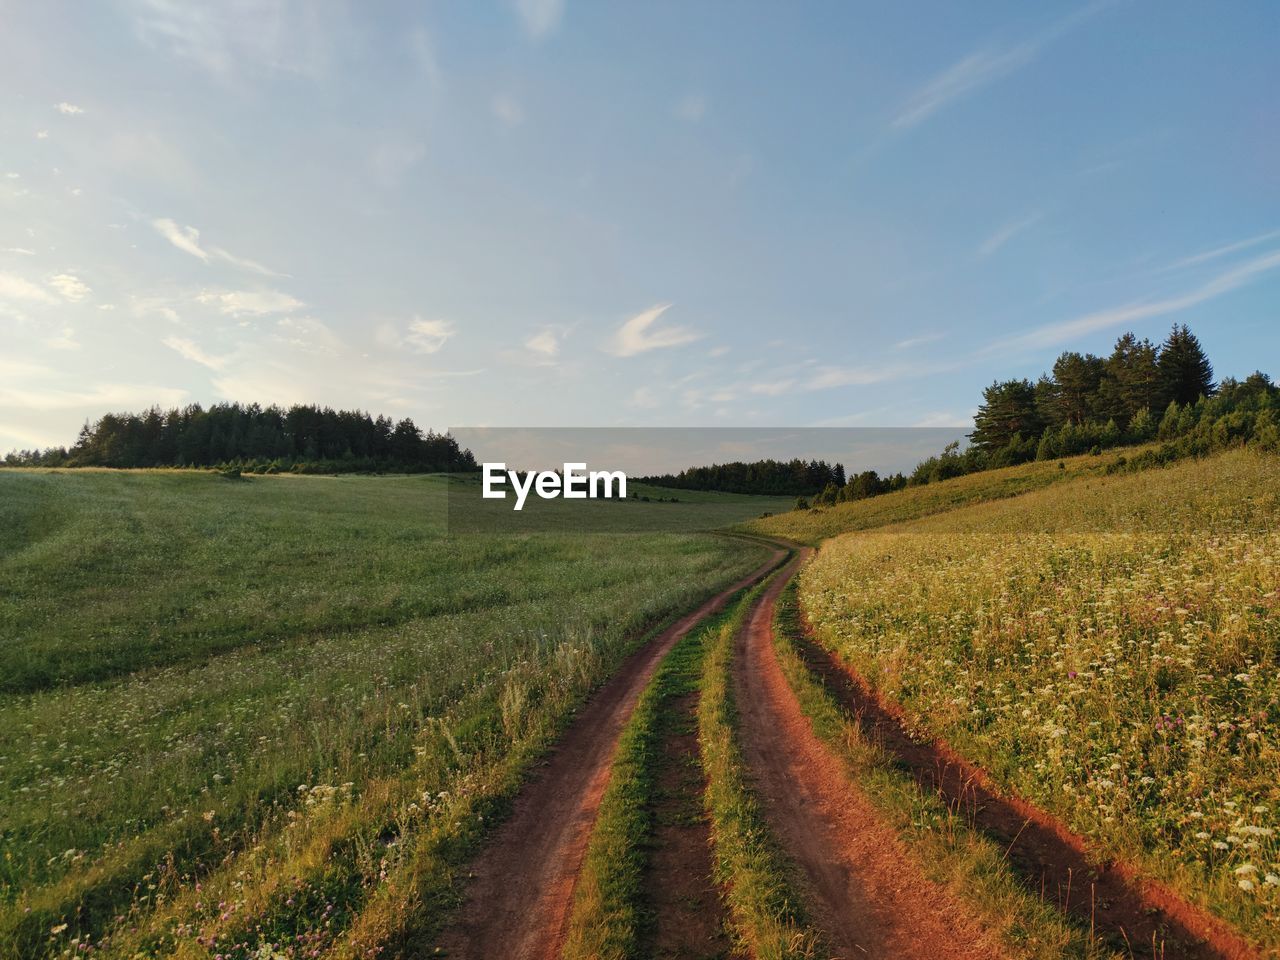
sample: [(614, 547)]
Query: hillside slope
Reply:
[(1106, 646)]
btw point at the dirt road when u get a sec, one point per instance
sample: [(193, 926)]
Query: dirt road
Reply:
[(519, 898), (869, 897)]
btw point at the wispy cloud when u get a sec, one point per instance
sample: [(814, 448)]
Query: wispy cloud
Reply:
[(418, 336), (308, 335), (540, 17), (919, 341), (21, 251), (428, 336), (192, 352), (71, 287), (68, 109), (187, 239), (826, 377), (982, 68), (944, 418), (1217, 252), (639, 335), (544, 342), (257, 303), (772, 388), (13, 287), (1006, 233), (969, 74), (102, 396), (1113, 317), (292, 36)]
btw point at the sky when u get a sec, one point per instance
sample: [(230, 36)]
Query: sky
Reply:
[(562, 213)]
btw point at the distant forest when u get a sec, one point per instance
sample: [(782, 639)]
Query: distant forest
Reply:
[(255, 439), (792, 478)]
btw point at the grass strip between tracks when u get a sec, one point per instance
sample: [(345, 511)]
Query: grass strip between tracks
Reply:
[(750, 866), (608, 919), (968, 865)]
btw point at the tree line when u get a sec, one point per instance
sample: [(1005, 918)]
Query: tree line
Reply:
[(1142, 393), (790, 478), (256, 439)]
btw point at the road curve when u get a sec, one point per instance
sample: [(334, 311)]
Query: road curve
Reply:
[(520, 896)]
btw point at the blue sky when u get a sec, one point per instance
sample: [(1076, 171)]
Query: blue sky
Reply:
[(553, 212)]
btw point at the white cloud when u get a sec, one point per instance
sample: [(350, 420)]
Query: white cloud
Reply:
[(21, 251), (1006, 233), (943, 418), (308, 335), (103, 396), (238, 303), (192, 352), (42, 134), (14, 287), (421, 336), (545, 343), (692, 108), (234, 41), (969, 74), (984, 67), (772, 388), (827, 377), (638, 335), (507, 109), (919, 341), (1221, 251), (187, 239), (69, 109), (720, 351), (1220, 285), (540, 17), (71, 287)]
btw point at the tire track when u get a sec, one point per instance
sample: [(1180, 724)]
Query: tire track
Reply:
[(520, 895), (869, 897)]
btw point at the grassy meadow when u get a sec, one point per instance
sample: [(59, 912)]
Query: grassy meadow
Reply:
[(1107, 646), (276, 714), (819, 523)]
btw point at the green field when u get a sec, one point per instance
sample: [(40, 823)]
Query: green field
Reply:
[(297, 691)]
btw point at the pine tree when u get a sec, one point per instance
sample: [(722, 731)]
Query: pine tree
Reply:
[(1008, 411), (1185, 371), (1077, 376), (1132, 380)]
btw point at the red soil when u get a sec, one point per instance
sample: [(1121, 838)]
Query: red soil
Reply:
[(519, 898), (690, 920), (1144, 918), (870, 898)]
